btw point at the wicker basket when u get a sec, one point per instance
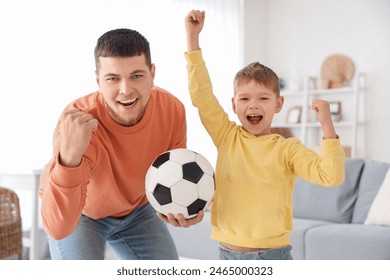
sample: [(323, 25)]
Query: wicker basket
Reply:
[(10, 225)]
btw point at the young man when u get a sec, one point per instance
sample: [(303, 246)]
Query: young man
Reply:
[(255, 173), (93, 188)]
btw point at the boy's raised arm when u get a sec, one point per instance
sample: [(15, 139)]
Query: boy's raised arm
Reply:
[(324, 117), (194, 22)]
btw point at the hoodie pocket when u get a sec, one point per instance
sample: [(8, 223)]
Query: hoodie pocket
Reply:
[(249, 210)]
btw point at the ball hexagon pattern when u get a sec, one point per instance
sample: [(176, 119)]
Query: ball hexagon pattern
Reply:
[(180, 181)]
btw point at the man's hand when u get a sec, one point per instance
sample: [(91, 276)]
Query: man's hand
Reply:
[(76, 132), (324, 117), (180, 221), (194, 22)]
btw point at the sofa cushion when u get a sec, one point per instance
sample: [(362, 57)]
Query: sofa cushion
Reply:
[(348, 242), (297, 237), (379, 213), (329, 204), (371, 180)]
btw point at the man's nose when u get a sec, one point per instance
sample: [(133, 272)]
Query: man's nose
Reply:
[(125, 87)]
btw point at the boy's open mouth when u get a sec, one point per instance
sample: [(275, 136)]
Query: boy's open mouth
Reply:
[(128, 102), (254, 118)]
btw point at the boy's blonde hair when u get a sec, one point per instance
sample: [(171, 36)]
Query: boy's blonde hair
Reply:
[(259, 73)]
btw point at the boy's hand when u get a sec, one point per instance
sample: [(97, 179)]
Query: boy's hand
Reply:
[(194, 22), (180, 221), (324, 117)]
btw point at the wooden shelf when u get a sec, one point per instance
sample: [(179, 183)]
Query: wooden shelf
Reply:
[(349, 97)]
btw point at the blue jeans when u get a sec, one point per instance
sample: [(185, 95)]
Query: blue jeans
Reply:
[(141, 235), (283, 253)]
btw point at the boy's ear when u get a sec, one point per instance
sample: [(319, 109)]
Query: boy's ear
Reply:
[(234, 106), (279, 104)]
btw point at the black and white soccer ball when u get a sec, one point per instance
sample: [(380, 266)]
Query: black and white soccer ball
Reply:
[(180, 181)]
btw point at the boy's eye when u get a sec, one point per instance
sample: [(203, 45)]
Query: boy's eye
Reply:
[(244, 98)]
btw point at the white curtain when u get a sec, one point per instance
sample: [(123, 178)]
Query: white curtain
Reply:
[(47, 61)]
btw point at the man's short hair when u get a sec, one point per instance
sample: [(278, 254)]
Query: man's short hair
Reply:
[(122, 43)]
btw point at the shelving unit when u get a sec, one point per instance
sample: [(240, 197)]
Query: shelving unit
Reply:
[(308, 129)]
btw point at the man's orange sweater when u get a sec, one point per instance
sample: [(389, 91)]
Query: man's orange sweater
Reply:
[(110, 181)]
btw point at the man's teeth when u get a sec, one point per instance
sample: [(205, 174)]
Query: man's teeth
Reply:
[(127, 102)]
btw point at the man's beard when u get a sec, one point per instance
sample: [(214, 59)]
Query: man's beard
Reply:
[(123, 120)]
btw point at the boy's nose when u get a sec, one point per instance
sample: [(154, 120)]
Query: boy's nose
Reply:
[(254, 105)]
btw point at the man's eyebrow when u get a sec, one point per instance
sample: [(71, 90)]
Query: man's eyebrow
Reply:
[(137, 71), (132, 73), (111, 75)]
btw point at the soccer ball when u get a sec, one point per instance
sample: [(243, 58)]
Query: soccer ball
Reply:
[(180, 181)]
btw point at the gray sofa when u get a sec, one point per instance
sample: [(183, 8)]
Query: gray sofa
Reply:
[(328, 222)]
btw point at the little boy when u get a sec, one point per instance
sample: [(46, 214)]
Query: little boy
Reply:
[(256, 170)]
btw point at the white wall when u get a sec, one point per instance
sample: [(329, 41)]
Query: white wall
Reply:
[(300, 34), (255, 18)]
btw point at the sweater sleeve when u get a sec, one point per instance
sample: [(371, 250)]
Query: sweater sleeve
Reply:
[(326, 169), (63, 192), (211, 113)]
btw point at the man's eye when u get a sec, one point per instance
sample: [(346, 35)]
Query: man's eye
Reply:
[(112, 79), (137, 76), (244, 99)]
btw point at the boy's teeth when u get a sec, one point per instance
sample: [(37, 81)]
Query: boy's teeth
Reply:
[(254, 119)]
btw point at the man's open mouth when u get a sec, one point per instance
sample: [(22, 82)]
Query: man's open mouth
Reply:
[(127, 102), (254, 118)]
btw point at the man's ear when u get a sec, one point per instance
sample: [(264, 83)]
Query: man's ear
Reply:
[(153, 73), (234, 106), (279, 104), (97, 78)]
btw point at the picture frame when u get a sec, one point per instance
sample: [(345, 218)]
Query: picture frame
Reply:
[(335, 107), (335, 110), (294, 114)]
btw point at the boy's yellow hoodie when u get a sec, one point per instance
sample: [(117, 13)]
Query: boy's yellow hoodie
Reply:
[(255, 176)]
